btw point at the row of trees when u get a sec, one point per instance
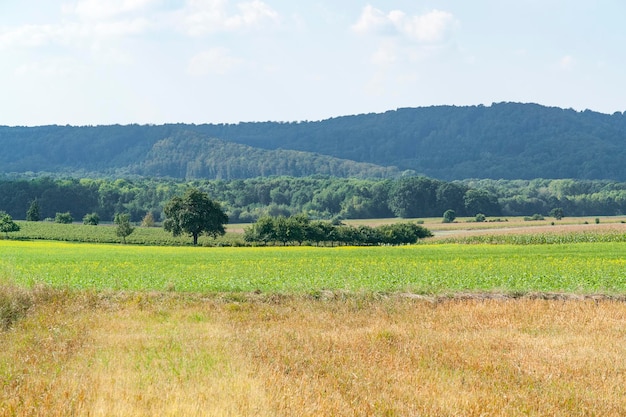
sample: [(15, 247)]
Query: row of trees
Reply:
[(196, 214), (245, 201), (193, 214), (299, 229)]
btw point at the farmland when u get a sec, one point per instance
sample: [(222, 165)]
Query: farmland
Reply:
[(477, 323), (424, 269)]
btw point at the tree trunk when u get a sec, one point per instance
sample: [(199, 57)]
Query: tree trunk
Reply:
[(195, 239)]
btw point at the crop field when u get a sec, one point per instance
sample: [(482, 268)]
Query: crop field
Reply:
[(106, 234), (530, 325), (424, 269)]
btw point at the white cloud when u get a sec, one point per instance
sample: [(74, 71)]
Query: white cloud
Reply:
[(371, 20), (432, 27), (213, 61), (71, 33), (88, 21), (208, 16), (101, 9), (29, 35)]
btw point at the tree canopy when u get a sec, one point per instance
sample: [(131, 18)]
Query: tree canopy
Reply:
[(7, 225), (123, 227), (194, 214), (319, 197), (299, 228), (504, 140)]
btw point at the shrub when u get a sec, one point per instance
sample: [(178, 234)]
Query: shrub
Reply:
[(557, 213), (148, 220), (449, 216), (534, 217), (63, 218), (480, 218), (91, 219)]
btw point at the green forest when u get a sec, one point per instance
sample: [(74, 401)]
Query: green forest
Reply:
[(502, 141), (507, 159), (319, 197)]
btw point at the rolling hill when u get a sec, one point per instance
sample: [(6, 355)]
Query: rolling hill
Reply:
[(504, 140)]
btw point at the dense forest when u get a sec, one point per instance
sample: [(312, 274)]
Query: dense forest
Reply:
[(501, 141), (318, 197)]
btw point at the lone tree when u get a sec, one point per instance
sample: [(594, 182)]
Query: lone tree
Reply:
[(33, 214), (449, 216), (123, 228), (194, 214), (557, 213), (7, 225)]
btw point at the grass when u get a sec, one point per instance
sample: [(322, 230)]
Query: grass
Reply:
[(100, 354), (437, 329), (426, 269)]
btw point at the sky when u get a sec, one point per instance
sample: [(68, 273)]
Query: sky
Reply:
[(100, 62)]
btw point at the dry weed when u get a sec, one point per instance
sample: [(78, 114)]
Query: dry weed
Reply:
[(153, 354)]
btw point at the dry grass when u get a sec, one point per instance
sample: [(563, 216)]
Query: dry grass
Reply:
[(155, 354)]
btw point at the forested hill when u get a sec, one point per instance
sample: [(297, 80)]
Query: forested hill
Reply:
[(174, 151), (505, 140)]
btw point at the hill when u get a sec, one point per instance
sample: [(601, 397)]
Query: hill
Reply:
[(504, 140)]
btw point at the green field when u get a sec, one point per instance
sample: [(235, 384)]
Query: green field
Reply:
[(424, 269), (138, 330), (105, 233)]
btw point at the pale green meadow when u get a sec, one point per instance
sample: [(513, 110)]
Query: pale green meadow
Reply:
[(425, 269)]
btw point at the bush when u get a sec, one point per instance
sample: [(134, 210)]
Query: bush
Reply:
[(148, 220), (449, 216), (534, 217), (63, 218), (299, 229), (557, 213), (91, 219), (480, 218)]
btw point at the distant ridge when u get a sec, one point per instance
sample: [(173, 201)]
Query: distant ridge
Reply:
[(504, 140)]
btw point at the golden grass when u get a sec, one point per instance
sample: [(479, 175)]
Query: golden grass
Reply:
[(155, 354)]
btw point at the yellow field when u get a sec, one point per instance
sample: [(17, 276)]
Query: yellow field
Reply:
[(139, 354)]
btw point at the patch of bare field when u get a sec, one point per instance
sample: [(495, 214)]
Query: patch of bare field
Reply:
[(557, 228), (339, 355)]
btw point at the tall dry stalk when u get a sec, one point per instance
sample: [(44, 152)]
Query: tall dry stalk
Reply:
[(140, 355)]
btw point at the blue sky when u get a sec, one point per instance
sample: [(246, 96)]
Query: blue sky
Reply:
[(96, 62)]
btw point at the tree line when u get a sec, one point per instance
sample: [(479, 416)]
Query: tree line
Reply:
[(319, 197), (300, 229)]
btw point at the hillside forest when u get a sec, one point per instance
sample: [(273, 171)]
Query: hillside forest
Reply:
[(504, 140), (319, 197)]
